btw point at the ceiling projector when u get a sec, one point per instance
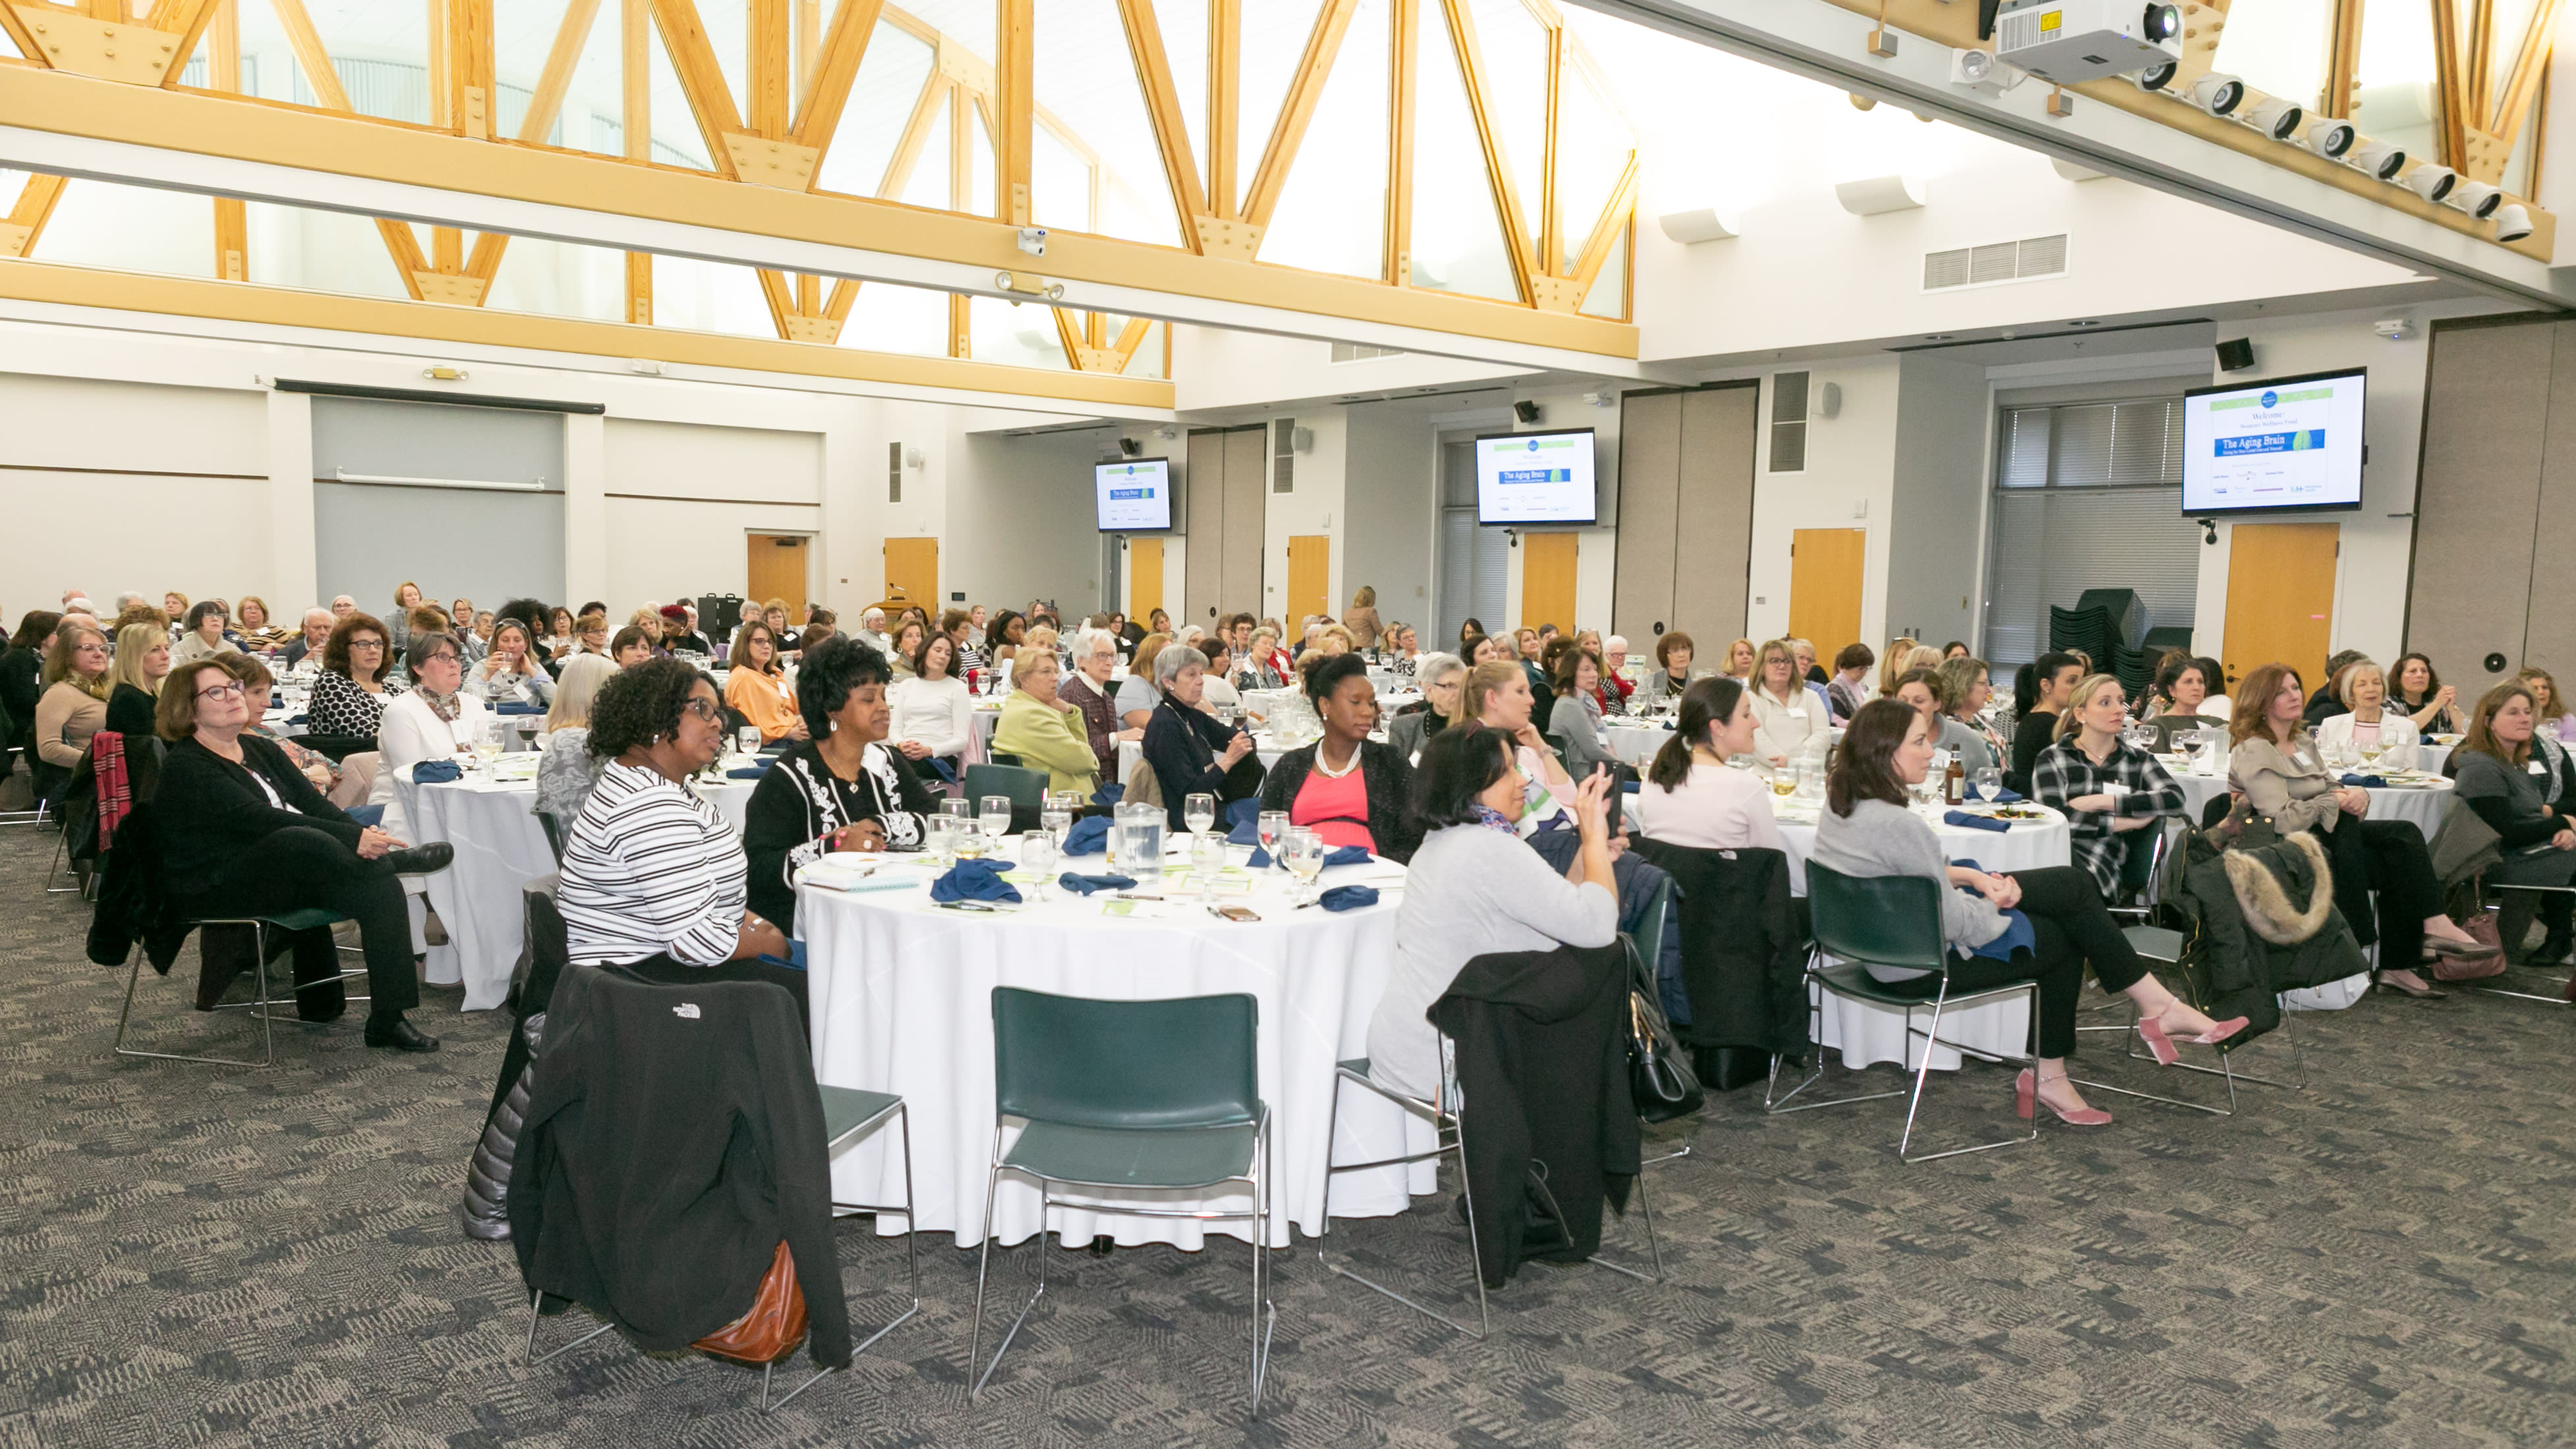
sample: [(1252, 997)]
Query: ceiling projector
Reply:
[(2072, 41)]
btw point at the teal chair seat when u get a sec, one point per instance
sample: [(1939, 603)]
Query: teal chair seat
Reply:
[(1852, 979), (1025, 787), (1116, 1157), (847, 1111)]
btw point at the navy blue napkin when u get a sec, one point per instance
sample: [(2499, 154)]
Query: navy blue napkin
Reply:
[(1245, 832), (2002, 796), (1246, 811), (1089, 836), (749, 772), (517, 706), (1084, 885), (1348, 898), (795, 960), (1966, 821), (974, 880), (2367, 782), (436, 772), (1345, 855), (297, 719), (1109, 794)]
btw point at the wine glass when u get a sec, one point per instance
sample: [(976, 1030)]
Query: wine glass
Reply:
[(1989, 781), (1784, 780), (939, 832), (1305, 858), (1037, 855), (748, 739), (1207, 862), (487, 742), (996, 817), (1199, 813), (1056, 816), (1272, 825)]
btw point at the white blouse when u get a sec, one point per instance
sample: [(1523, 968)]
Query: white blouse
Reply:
[(411, 734), (1780, 729), (938, 713), (1716, 807), (2396, 734)]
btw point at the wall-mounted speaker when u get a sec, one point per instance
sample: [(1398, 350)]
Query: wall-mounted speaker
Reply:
[(2235, 355), (1525, 410)]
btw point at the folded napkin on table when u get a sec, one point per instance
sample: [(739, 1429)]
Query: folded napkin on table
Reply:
[(297, 719), (749, 772), (1345, 855), (1245, 832), (1089, 836), (1084, 885), (2367, 782), (794, 960), (974, 880), (1109, 794), (517, 706), (2002, 796), (436, 772), (1348, 898), (1967, 821)]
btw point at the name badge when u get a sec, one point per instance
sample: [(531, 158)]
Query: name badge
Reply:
[(2537, 767)]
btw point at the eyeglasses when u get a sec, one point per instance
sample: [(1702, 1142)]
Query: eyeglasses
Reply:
[(366, 643), (231, 689), (702, 709)]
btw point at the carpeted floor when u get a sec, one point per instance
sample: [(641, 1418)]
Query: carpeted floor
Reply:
[(192, 1255)]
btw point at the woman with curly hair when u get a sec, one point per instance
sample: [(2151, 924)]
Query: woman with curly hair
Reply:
[(843, 789)]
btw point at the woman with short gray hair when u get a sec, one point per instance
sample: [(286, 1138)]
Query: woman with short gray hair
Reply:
[(1192, 754), (1443, 678)]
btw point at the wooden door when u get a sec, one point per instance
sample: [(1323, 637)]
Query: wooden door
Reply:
[(1824, 589), (912, 575), (1547, 580), (777, 571), (2280, 598), (1145, 577), (1310, 576)]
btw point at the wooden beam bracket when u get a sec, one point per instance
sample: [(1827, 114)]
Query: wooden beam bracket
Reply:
[(68, 40), (1221, 237), (782, 164), (14, 239), (455, 289)]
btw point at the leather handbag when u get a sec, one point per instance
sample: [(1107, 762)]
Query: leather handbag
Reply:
[(774, 1324), (1661, 1083)]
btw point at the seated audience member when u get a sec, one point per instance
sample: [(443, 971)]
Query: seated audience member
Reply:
[(345, 789), (1045, 733), (932, 717), (1468, 632), (2183, 700), (2328, 702), (242, 832), (1741, 659), (2525, 791), (1809, 670), (653, 877), (1966, 685), (1786, 716), (821, 626), (256, 631), (350, 693), (1848, 690), (342, 606), (1348, 788), (1498, 698), (1257, 666), (1192, 754), (1672, 672), (1576, 717), (407, 597), (206, 633), (1955, 649), (2419, 694), (562, 632), (1614, 673), (1137, 696), (2039, 693), (174, 607), (1927, 693), (460, 616), (2110, 789), (1331, 639), (142, 661), (872, 631), (1473, 889), (756, 684), (1443, 679), (1529, 649), (510, 673), (841, 789), (1892, 664), (531, 616), (774, 613), (1004, 636), (1088, 689), (906, 647), (1692, 796), (427, 619), (958, 625), (2044, 925), (1220, 693), (77, 680), (2554, 720), (2366, 722), (309, 643), (566, 772), (437, 720), (632, 645), (22, 667), (679, 638), (2275, 765)]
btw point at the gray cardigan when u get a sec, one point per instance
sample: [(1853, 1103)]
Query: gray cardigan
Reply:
[(1879, 839), (1584, 748)]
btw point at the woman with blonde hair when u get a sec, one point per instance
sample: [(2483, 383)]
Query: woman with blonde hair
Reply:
[(2554, 720), (142, 662), (1743, 659), (1362, 621), (1893, 664), (2367, 723), (399, 622), (1785, 714), (565, 771)]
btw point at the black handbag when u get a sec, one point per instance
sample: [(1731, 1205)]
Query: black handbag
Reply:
[(1660, 1080)]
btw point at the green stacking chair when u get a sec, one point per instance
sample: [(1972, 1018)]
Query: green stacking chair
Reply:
[(1026, 787), (260, 1005), (1126, 1096)]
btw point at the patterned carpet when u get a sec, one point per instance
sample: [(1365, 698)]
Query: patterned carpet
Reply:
[(218, 1256)]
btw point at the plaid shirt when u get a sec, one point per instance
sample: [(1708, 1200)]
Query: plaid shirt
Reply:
[(2064, 772)]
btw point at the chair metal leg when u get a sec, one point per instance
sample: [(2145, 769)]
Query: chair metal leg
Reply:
[(267, 1029), (911, 1237), (2225, 1068), (1265, 1314), (1774, 1102), (767, 1405), (534, 1297), (983, 1266), (1654, 1248), (61, 844), (1443, 1124), (1923, 1074)]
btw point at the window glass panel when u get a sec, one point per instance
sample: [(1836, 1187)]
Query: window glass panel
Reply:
[(728, 27), (882, 99), (710, 297), (523, 35), (268, 65), (1274, 39), (928, 184), (979, 198), (1609, 294), (130, 229), (676, 141), (1017, 336), (2396, 102), (381, 52), (1592, 149), (1332, 213), (968, 22), (560, 279), (2087, 495), (321, 251), (888, 318), (1059, 182), (1457, 240), (1148, 361), (1512, 49), (1185, 50), (594, 106), (1085, 79), (2279, 47)]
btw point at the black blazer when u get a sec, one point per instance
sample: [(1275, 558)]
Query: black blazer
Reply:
[(208, 810), (2031, 734), (1181, 744), (1386, 776), (1744, 946), (130, 712)]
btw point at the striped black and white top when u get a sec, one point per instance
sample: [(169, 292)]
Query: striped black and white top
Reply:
[(650, 869)]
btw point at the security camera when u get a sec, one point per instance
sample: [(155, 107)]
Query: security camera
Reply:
[(2330, 139), (2378, 158), (2276, 118), (2395, 329), (2432, 182), (2513, 223), (1033, 240), (2218, 93), (2156, 77), (2476, 198)]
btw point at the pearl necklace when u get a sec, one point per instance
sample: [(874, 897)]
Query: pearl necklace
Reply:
[(1328, 772)]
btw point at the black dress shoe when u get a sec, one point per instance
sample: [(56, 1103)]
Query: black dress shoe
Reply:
[(2553, 950), (421, 859), (399, 1034)]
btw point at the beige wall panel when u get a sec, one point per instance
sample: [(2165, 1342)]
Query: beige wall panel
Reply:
[(2487, 405), (1713, 515), (1247, 484), (1641, 590)]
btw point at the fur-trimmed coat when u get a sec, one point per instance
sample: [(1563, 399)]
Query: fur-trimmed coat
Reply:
[(2258, 921)]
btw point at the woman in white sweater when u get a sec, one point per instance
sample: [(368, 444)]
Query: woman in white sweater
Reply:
[(1474, 888), (1785, 711), (1692, 796), (932, 715), (2369, 723), (437, 720)]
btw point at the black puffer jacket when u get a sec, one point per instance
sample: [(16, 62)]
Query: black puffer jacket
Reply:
[(2258, 921)]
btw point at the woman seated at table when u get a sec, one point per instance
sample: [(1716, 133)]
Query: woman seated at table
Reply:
[(566, 772), (842, 789), (346, 788), (1575, 718), (2368, 724), (254, 627), (1671, 674), (2556, 723), (243, 833), (653, 877), (561, 634), (589, 636), (1004, 636), (756, 684), (2419, 694), (905, 646), (78, 677), (1090, 691), (350, 694), (632, 645), (1742, 657), (1785, 714), (1927, 692), (2525, 791), (437, 720), (1473, 889), (1692, 796), (2182, 701), (142, 662), (1966, 685), (2110, 789), (1351, 789), (1253, 668), (206, 633), (2275, 765), (2039, 693), (932, 717), (407, 597), (1443, 678), (2060, 927), (1045, 733), (1190, 752), (510, 673), (1893, 664), (1137, 696)]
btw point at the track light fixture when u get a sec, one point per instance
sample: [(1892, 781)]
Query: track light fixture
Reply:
[(2218, 93), (2379, 159), (2330, 138), (2276, 118), (2432, 182)]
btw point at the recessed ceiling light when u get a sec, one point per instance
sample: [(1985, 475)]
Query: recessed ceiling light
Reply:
[(2086, 322), (1936, 336)]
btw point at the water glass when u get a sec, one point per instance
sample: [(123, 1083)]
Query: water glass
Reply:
[(748, 738), (1144, 839), (1056, 818), (1199, 813), (939, 833), (1989, 782), (996, 816), (1207, 862), (1037, 854), (1272, 826), (1305, 858)]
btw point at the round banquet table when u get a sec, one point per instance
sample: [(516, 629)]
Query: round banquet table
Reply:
[(901, 993), (500, 847), (1866, 1033), (2421, 806), (1635, 741)]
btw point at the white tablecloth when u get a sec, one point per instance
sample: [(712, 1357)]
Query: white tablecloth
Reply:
[(901, 993), (1634, 741), (2421, 805), (500, 847)]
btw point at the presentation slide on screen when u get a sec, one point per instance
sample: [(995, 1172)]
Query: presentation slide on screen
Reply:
[(1534, 478), (2285, 445), (1134, 497)]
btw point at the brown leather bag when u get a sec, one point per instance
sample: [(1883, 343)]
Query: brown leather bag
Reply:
[(774, 1324)]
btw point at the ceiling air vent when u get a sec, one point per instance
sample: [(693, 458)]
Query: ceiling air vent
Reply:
[(1361, 352), (1995, 263)]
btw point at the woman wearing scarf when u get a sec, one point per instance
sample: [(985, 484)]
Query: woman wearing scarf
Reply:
[(437, 720)]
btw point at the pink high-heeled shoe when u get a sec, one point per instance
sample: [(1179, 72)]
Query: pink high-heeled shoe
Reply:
[(2026, 1092), (2152, 1032)]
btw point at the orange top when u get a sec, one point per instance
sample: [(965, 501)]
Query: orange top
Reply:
[(764, 700)]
